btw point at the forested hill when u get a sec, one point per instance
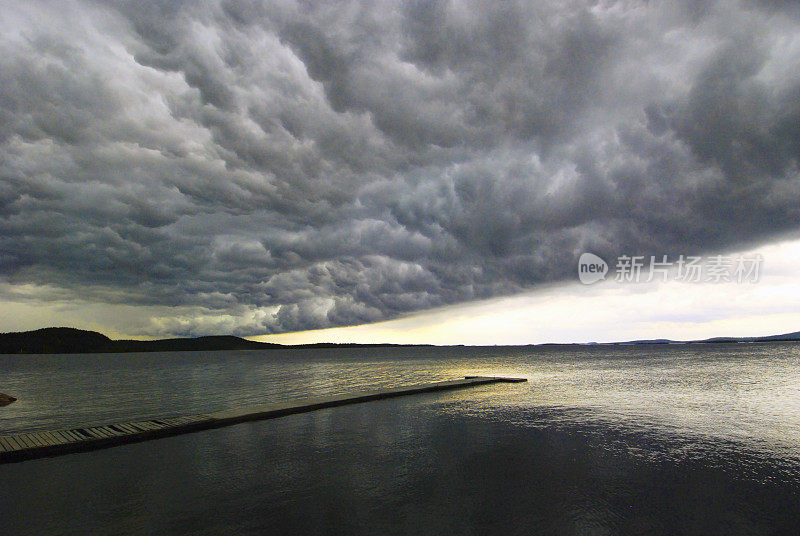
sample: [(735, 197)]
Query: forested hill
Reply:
[(78, 341)]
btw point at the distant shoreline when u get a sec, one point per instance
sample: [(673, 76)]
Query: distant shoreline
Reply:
[(76, 341), (63, 340)]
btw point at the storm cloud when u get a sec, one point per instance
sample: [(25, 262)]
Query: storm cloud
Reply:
[(301, 165)]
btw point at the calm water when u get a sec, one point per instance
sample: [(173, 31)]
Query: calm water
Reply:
[(688, 439)]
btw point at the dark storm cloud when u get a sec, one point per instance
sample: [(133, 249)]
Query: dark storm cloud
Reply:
[(306, 165)]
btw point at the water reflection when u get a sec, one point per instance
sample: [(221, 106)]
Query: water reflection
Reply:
[(745, 393), (418, 466), (689, 439)]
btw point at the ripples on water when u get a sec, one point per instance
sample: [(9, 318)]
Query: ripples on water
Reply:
[(693, 439)]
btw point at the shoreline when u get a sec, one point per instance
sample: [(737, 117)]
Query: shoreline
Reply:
[(75, 341)]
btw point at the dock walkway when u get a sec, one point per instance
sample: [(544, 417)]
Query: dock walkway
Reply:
[(26, 446)]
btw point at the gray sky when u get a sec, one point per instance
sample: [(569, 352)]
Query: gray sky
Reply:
[(265, 167)]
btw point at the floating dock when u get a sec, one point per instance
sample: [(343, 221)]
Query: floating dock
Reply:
[(26, 446)]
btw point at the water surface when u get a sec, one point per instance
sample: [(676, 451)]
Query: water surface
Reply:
[(690, 439)]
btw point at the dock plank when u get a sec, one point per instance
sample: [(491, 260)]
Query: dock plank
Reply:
[(175, 421), (31, 438), (5, 445), (74, 436), (145, 426), (103, 431), (61, 437), (49, 437), (111, 431), (42, 439), (135, 426), (52, 437), (94, 433), (23, 439), (14, 443), (156, 424), (159, 423), (18, 442)]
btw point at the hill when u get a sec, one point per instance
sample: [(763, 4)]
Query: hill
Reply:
[(785, 337), (77, 341)]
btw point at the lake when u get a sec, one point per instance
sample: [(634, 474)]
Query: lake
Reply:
[(646, 439)]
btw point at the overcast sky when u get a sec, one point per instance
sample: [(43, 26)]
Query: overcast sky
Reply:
[(188, 168)]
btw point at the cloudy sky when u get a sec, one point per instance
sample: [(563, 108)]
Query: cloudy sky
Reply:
[(260, 168)]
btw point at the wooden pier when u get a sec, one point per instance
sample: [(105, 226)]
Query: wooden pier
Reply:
[(26, 446)]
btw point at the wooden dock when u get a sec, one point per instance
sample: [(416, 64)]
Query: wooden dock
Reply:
[(26, 446)]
